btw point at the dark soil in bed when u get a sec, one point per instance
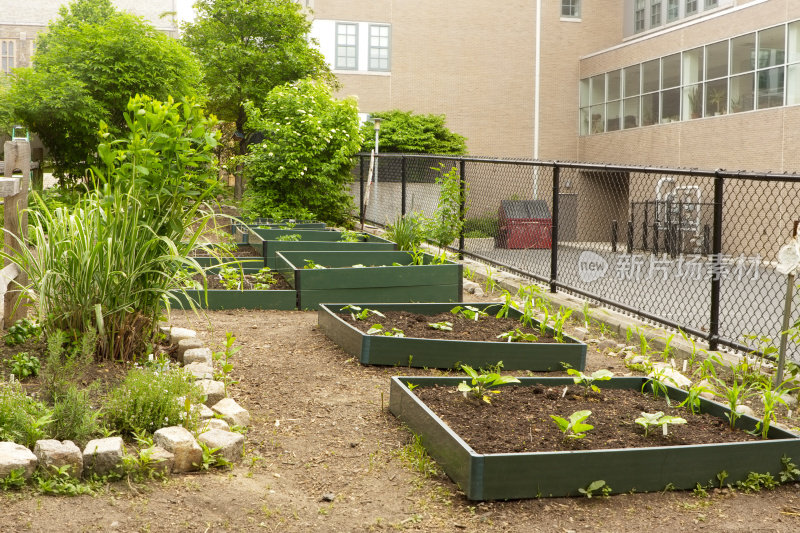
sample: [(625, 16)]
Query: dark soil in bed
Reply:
[(214, 282), (243, 251), (416, 325), (518, 419)]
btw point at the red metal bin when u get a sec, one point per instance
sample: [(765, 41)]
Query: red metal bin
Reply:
[(524, 224)]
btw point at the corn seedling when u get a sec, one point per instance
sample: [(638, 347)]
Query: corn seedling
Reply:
[(587, 380), (651, 420), (695, 351), (573, 428), (482, 384), (558, 323), (490, 282), (587, 318), (692, 401)]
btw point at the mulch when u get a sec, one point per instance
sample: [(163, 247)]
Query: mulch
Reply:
[(518, 419)]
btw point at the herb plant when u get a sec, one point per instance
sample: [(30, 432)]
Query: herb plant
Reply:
[(574, 428), (22, 330), (231, 278), (406, 231), (481, 385), (24, 365)]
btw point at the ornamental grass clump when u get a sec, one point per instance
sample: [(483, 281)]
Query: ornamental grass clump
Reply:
[(108, 263), (148, 400)]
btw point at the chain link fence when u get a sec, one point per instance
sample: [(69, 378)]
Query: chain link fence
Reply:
[(689, 249)]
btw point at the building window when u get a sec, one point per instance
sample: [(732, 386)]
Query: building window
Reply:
[(346, 46), (655, 13), (673, 10), (7, 56), (711, 3), (691, 7), (378, 47), (638, 16), (571, 8)]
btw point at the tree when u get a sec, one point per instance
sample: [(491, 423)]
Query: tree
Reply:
[(248, 47), (406, 132), (302, 166), (86, 68)]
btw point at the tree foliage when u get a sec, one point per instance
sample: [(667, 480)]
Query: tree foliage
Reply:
[(87, 66), (302, 166), (406, 132)]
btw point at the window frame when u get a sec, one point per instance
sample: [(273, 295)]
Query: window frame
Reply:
[(388, 48), (337, 45), (571, 9), (8, 59)]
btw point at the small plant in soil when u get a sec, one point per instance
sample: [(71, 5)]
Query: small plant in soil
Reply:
[(22, 330), (351, 236), (357, 313), (482, 384), (264, 279), (378, 329), (574, 428), (587, 380), (311, 265), (692, 401), (442, 326), (24, 365), (558, 323), (597, 485), (231, 278), (223, 359), (490, 282), (508, 302), (290, 237), (770, 399), (518, 336), (789, 470), (695, 351), (650, 420), (469, 312)]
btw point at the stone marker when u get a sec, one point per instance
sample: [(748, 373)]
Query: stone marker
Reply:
[(102, 456), (14, 456), (56, 454), (230, 444), (178, 441), (233, 413)]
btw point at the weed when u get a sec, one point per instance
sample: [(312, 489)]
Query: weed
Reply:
[(22, 330), (416, 457), (755, 482), (594, 486), (58, 481), (789, 470), (24, 365), (481, 384), (224, 361), (14, 480), (211, 458)]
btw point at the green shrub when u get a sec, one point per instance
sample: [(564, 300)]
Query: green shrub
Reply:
[(406, 132), (66, 362), (445, 224), (481, 227), (22, 419), (24, 365), (148, 400), (302, 167), (74, 418), (406, 231)]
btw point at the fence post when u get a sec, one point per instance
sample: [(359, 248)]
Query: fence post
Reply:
[(462, 208), (17, 156), (554, 231), (716, 271), (614, 235), (361, 192), (403, 185), (630, 236)]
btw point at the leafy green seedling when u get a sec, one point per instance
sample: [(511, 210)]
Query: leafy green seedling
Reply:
[(290, 237), (594, 486), (469, 312), (574, 428), (311, 265), (264, 279), (518, 336), (481, 384), (651, 420), (22, 330), (378, 329), (24, 365), (587, 380), (357, 313), (443, 325), (352, 236)]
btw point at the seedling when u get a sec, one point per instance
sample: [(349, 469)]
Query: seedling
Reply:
[(518, 336), (311, 265), (481, 384), (558, 323), (771, 399), (574, 428), (469, 273), (378, 329), (231, 278), (469, 312), (508, 302), (490, 282), (22, 330), (546, 318), (587, 380), (443, 325), (594, 486), (587, 319), (352, 236), (651, 420), (692, 360), (23, 365), (290, 237), (264, 279), (789, 470), (357, 313), (692, 401)]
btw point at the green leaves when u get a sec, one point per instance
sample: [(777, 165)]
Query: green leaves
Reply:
[(587, 380), (481, 384), (407, 132), (517, 336), (442, 326), (574, 428), (468, 311), (650, 420)]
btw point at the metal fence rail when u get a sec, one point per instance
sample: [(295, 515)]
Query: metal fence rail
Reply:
[(690, 249)]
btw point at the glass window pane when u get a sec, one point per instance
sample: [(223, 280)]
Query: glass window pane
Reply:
[(612, 116), (670, 105), (650, 81), (716, 97), (693, 66), (597, 122), (585, 94), (673, 10), (770, 88), (771, 47), (793, 85), (650, 109), (632, 81), (598, 89), (741, 93), (631, 112), (585, 121), (743, 50), (655, 13), (692, 102), (717, 60), (613, 85), (671, 71), (691, 7), (794, 42)]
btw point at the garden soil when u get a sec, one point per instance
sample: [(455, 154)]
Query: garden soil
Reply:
[(325, 455)]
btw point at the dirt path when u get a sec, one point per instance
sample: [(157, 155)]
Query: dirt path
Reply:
[(321, 431)]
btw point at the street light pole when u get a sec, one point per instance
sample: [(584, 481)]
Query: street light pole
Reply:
[(377, 123)]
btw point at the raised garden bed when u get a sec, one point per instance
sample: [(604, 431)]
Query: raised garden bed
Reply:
[(491, 476), (247, 255), (446, 353), (270, 247), (377, 281), (280, 297)]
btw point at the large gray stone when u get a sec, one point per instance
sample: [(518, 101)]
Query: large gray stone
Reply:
[(161, 460), (200, 370), (176, 335), (178, 441), (213, 390), (187, 344), (233, 413), (230, 444), (197, 355), (53, 454), (14, 456), (213, 423), (103, 456)]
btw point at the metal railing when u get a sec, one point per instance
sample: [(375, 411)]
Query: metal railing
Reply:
[(686, 248)]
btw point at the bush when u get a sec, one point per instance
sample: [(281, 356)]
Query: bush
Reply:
[(66, 362), (148, 400), (481, 227), (22, 419), (405, 132), (73, 416), (302, 167)]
